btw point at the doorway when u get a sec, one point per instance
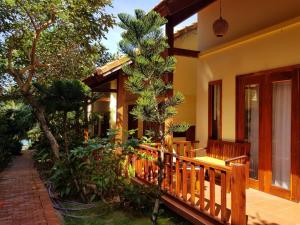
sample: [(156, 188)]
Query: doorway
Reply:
[(268, 118)]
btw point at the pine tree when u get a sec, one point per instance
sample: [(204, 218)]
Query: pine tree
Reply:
[(144, 43)]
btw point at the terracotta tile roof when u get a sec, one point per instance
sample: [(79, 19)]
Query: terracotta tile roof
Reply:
[(185, 30), (106, 72), (111, 66)]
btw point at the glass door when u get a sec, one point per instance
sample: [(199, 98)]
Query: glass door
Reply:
[(281, 133), (268, 118), (251, 131), (249, 98)]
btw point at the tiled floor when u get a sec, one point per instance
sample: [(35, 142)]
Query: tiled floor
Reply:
[(261, 208), (266, 209), (23, 197)]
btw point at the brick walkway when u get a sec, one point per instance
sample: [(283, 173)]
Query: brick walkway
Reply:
[(23, 197)]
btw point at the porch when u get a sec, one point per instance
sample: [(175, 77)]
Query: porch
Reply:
[(261, 208), (207, 193)]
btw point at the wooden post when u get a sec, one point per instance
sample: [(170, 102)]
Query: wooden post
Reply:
[(238, 194), (121, 123)]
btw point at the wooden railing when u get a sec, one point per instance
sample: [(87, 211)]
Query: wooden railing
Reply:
[(201, 186), (183, 148)]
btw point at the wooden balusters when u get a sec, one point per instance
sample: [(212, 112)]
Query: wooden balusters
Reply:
[(189, 183), (184, 181), (201, 185), (192, 184), (171, 174), (223, 197), (178, 178), (146, 171), (212, 192)]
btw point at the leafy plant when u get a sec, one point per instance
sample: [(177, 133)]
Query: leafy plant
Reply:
[(144, 43), (138, 197), (94, 170), (15, 120), (66, 103)]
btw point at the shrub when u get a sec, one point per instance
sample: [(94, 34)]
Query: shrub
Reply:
[(93, 170)]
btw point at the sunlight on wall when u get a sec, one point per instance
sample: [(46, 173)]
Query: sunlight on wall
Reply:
[(113, 110), (275, 50)]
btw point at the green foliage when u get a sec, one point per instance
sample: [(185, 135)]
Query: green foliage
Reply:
[(138, 197), (93, 170), (144, 43), (64, 95), (69, 33), (104, 214), (65, 104), (42, 41), (15, 120)]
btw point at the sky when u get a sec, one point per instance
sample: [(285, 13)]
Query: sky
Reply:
[(128, 6)]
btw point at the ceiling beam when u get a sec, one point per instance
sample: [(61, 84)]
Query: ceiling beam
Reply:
[(184, 52)]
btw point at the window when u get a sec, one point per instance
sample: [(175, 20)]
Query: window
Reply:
[(215, 110)]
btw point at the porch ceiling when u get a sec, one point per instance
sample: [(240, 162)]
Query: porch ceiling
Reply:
[(177, 11)]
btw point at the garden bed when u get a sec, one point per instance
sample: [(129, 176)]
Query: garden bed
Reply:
[(102, 214)]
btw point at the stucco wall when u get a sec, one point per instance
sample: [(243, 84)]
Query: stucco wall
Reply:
[(244, 17), (273, 48), (185, 76)]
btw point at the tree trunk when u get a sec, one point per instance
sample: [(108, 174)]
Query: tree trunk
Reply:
[(160, 159), (40, 116)]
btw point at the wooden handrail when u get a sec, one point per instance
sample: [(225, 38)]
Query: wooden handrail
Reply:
[(185, 180), (227, 161), (197, 162)]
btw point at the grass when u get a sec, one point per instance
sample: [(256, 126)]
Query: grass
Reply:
[(105, 215)]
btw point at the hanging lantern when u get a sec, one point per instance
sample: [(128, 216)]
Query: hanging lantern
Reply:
[(220, 26)]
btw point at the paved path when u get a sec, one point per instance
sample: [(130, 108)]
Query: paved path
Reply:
[(23, 197)]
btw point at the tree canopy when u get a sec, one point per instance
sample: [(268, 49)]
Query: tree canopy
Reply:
[(50, 39), (41, 41)]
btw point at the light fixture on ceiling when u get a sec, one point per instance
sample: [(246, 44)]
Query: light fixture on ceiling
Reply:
[(220, 26)]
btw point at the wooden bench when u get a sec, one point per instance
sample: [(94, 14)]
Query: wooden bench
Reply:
[(225, 153)]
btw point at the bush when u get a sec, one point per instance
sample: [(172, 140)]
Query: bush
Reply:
[(138, 197), (93, 170), (15, 120)]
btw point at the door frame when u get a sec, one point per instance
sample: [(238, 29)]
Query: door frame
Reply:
[(265, 164)]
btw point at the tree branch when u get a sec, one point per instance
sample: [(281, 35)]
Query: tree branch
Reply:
[(49, 22), (35, 40), (28, 68), (29, 15)]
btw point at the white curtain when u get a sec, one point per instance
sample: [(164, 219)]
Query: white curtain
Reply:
[(281, 129), (252, 101)]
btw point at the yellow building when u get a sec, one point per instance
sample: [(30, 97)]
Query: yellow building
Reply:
[(243, 86), (247, 83)]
